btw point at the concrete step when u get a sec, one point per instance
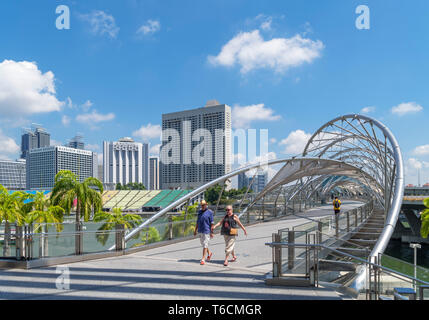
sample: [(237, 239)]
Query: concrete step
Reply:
[(331, 265), (366, 235), (363, 242)]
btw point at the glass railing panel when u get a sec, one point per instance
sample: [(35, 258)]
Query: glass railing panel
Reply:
[(53, 244), (98, 241), (7, 245)]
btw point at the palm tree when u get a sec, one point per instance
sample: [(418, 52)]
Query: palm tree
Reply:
[(67, 188), (12, 210), (43, 212), (113, 219), (184, 224)]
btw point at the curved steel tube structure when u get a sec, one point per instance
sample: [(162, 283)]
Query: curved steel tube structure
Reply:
[(352, 152), (353, 139)]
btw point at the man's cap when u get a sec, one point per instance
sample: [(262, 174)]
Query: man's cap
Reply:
[(203, 202)]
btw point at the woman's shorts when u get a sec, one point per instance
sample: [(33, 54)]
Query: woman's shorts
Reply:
[(229, 244)]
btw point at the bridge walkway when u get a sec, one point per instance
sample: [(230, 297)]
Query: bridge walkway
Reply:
[(174, 272)]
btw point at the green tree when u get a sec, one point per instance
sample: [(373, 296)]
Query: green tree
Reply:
[(43, 213), (212, 194), (12, 210), (424, 230), (184, 224), (67, 188), (111, 219), (149, 235)]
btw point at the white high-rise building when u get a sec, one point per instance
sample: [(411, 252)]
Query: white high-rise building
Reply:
[(126, 161), (13, 174), (44, 163), (196, 146), (153, 173)]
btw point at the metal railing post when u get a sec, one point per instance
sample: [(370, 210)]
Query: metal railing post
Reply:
[(20, 243), (78, 239), (356, 218), (348, 222), (29, 242), (336, 225), (120, 237), (170, 227), (291, 250), (277, 268)]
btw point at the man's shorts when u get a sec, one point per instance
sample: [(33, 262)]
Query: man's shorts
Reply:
[(337, 211), (204, 239)]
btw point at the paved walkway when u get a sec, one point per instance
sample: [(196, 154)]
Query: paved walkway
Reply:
[(172, 272)]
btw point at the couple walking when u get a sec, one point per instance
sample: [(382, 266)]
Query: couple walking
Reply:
[(229, 231)]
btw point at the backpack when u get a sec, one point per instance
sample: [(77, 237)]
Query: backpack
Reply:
[(336, 204)]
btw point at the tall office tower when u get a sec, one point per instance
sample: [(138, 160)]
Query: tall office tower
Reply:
[(100, 173), (260, 181), (94, 165), (77, 143), (44, 163), (36, 137), (196, 146), (12, 174), (126, 161), (153, 173), (145, 164), (243, 180), (258, 185)]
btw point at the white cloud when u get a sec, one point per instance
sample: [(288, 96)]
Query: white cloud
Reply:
[(87, 105), (406, 108), (421, 150), (69, 103), (154, 150), (266, 25), (367, 110), (273, 140), (94, 117), (148, 132), (56, 142), (65, 120), (251, 51), (150, 27), (8, 147), (295, 142), (101, 23), (25, 90), (243, 116), (415, 168)]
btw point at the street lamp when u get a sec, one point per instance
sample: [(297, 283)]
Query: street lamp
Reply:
[(415, 246)]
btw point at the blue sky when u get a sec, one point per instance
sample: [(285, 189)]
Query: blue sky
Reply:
[(124, 63)]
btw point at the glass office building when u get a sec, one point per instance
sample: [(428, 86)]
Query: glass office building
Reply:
[(13, 174), (44, 163)]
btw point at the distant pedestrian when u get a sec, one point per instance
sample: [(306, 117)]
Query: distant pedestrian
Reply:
[(229, 231), (204, 228), (337, 205)]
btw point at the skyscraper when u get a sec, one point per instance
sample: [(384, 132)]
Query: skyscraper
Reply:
[(258, 185), (36, 137), (196, 146), (12, 174), (126, 161), (44, 163), (153, 173), (77, 143)]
